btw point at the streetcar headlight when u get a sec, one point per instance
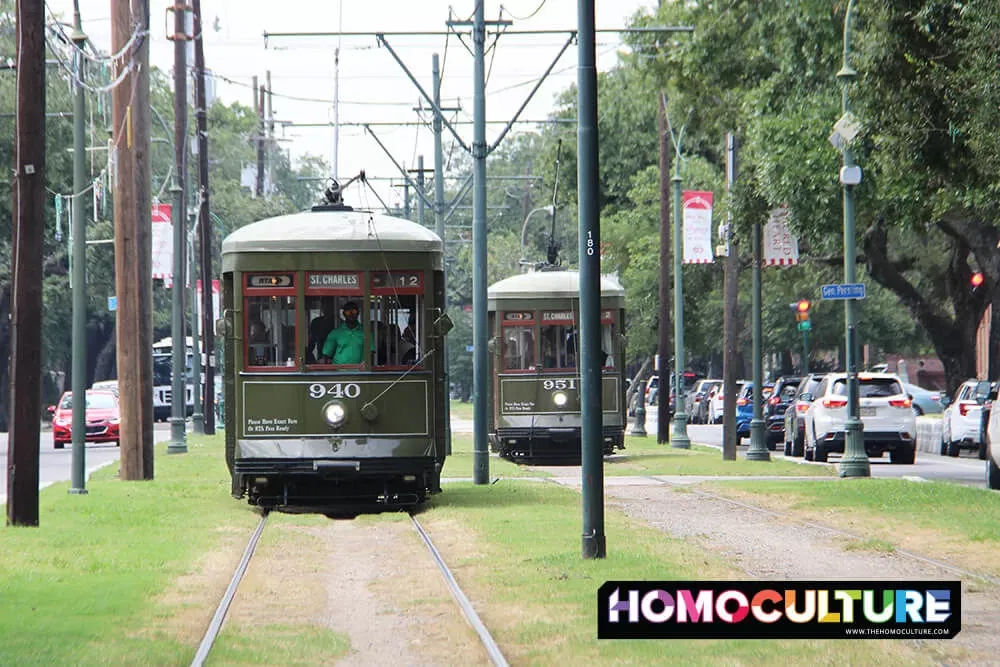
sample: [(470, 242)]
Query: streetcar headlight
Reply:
[(560, 399), (335, 413)]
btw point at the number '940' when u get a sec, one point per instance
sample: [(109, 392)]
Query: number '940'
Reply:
[(335, 390), (551, 385)]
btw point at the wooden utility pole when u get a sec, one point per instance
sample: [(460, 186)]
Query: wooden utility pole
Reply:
[(663, 344), (730, 316), (205, 226), (28, 235), (133, 238)]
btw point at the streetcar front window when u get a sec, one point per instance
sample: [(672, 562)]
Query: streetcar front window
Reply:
[(558, 346), (518, 347), (397, 330), (270, 331)]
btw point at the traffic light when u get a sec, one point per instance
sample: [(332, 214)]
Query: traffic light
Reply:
[(801, 308), (977, 279)]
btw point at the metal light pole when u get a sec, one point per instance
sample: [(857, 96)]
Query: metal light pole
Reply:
[(78, 230), (197, 417), (855, 461), (439, 226), (588, 184), (758, 446), (680, 439), (480, 366), (178, 435)]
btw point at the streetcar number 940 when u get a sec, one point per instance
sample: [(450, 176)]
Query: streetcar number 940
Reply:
[(335, 390)]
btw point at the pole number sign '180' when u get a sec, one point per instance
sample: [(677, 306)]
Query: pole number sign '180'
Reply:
[(335, 390)]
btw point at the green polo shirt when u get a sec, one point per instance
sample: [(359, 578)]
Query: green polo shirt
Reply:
[(345, 344)]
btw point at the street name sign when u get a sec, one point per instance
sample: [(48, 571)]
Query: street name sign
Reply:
[(844, 291)]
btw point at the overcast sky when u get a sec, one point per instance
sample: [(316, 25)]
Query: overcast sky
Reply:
[(373, 87)]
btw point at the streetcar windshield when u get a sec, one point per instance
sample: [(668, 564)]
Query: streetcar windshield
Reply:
[(270, 333)]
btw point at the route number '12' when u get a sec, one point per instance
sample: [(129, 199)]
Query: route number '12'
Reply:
[(550, 385), (335, 390)]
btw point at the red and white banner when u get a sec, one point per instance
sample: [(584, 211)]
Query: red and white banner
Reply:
[(697, 227), (780, 247), (163, 242), (216, 291)]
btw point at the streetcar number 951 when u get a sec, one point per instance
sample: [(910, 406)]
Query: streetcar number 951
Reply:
[(335, 390), (552, 385)]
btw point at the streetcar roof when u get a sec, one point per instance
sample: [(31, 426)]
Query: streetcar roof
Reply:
[(332, 231), (546, 284)]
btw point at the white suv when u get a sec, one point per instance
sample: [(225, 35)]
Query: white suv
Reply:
[(885, 411), (961, 419)]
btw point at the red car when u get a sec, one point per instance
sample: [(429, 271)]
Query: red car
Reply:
[(102, 418)]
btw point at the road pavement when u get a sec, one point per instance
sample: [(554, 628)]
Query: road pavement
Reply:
[(55, 465)]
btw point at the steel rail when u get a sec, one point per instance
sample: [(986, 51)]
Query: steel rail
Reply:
[(496, 657), (220, 613), (954, 569)]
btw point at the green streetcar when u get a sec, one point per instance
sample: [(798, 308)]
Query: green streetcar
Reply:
[(535, 392), (356, 424)]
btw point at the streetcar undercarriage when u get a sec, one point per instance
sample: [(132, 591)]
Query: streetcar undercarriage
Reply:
[(336, 485)]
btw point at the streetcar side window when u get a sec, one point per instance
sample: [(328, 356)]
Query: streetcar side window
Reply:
[(270, 331), (607, 345), (397, 330), (558, 346), (518, 347)]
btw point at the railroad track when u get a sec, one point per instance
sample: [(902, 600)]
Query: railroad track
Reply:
[(492, 649)]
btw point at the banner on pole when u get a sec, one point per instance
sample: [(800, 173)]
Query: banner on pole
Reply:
[(163, 242), (697, 219), (780, 247)]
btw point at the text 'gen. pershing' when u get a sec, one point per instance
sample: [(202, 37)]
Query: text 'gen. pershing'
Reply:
[(779, 610)]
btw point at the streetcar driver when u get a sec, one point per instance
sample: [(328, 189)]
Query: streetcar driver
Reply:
[(344, 344)]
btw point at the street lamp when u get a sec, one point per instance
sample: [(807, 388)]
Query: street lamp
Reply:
[(855, 461), (680, 439)]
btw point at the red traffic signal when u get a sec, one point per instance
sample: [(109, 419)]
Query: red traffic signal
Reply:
[(977, 279), (801, 308)]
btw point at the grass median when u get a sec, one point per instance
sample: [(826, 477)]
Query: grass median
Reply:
[(131, 573)]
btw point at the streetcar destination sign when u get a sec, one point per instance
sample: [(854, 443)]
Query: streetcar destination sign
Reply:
[(844, 291)]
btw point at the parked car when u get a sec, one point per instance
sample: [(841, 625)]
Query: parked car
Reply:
[(961, 420), (775, 406), (744, 410), (102, 417), (652, 389), (716, 400), (794, 430), (106, 385), (697, 401), (925, 401), (885, 409), (992, 435)]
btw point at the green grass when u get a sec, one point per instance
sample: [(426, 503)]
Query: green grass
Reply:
[(972, 513), (537, 594), (459, 464), (460, 410), (642, 456), (876, 545), (80, 588), (89, 585)]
